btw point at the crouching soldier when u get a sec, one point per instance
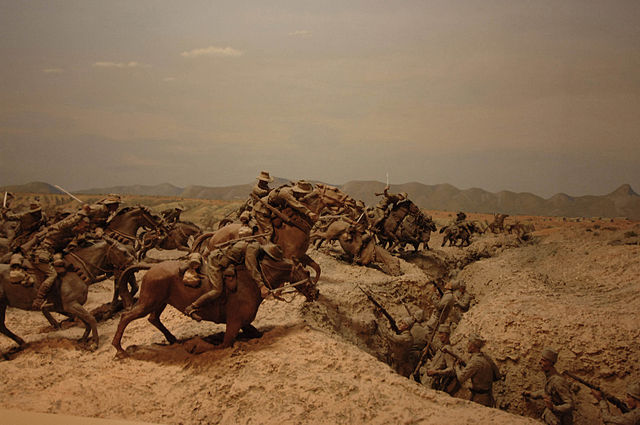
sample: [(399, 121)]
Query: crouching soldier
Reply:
[(440, 371)]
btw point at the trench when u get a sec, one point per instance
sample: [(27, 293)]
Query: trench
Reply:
[(344, 310)]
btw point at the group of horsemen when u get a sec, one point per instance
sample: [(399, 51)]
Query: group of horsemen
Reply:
[(436, 364)]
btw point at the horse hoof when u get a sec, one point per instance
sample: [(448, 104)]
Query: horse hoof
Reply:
[(121, 355)]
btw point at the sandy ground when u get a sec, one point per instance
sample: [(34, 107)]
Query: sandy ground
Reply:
[(575, 288)]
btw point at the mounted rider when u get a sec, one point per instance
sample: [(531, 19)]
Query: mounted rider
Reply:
[(279, 199), (53, 240), (221, 265), (259, 190), (100, 212), (28, 221), (386, 204), (172, 215)]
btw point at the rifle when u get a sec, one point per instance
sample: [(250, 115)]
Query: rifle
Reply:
[(455, 356), (232, 241), (272, 209), (391, 320), (425, 351), (610, 398)]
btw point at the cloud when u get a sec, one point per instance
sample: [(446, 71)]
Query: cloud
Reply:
[(132, 64), (300, 33), (212, 51), (53, 70)]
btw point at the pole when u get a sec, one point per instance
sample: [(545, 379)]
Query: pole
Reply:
[(4, 203), (67, 192)]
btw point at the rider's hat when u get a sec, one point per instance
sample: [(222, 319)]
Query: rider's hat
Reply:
[(264, 176), (111, 199), (302, 186)]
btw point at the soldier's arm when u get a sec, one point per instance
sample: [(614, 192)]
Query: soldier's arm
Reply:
[(468, 372), (294, 203), (561, 388)]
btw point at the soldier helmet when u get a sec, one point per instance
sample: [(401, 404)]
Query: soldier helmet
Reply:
[(476, 340), (405, 323), (16, 259), (245, 216), (633, 389), (302, 186), (244, 231), (550, 354), (180, 207), (273, 251), (264, 176), (444, 328)]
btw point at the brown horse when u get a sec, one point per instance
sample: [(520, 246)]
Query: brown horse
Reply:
[(104, 258), (293, 235), (162, 285), (386, 231), (125, 224), (68, 295)]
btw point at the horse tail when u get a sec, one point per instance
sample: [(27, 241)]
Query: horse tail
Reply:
[(126, 275), (197, 244)]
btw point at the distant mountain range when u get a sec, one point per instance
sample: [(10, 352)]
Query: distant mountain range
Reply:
[(622, 202)]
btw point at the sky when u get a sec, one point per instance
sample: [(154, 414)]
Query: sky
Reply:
[(539, 96)]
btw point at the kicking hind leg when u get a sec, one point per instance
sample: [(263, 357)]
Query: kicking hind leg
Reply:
[(154, 319), (90, 323), (7, 332)]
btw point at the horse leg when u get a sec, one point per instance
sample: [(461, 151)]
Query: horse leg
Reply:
[(139, 310), (54, 323), (230, 334), (91, 326), (154, 319), (7, 332)]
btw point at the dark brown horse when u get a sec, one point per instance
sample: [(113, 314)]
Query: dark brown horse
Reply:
[(162, 285), (103, 259), (387, 229), (177, 237), (124, 226), (67, 296)]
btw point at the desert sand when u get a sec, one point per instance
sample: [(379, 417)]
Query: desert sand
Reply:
[(574, 287)]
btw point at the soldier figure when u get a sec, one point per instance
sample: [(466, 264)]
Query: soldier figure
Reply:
[(221, 267), (55, 239), (102, 211), (462, 302), (482, 371), (556, 395), (29, 221), (260, 190), (440, 370), (387, 203), (443, 307), (172, 215), (633, 402), (460, 217)]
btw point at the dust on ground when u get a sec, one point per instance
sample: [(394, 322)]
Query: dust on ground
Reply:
[(574, 287)]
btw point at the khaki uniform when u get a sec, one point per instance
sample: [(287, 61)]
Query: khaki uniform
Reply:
[(461, 305), (481, 371), (58, 235), (443, 363), (629, 418), (557, 388), (29, 221), (442, 309), (222, 262)]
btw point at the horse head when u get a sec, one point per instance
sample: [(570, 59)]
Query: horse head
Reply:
[(328, 196)]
